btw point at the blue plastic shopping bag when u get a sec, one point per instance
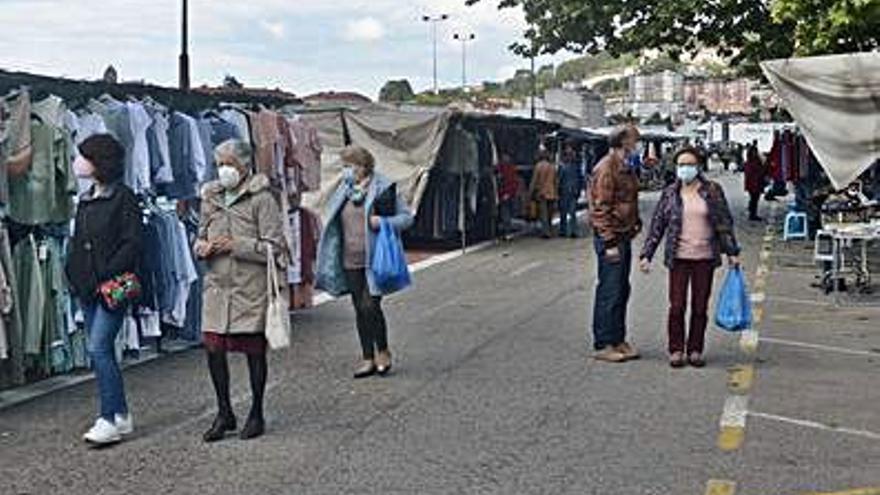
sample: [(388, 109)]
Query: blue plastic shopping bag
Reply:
[(733, 311), (389, 267)]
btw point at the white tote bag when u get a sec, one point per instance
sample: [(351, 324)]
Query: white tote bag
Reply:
[(277, 318)]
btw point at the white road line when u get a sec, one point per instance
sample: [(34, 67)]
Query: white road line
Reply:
[(816, 425), (527, 268), (736, 408), (820, 347)]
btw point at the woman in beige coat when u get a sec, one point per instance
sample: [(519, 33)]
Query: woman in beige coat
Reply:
[(240, 220)]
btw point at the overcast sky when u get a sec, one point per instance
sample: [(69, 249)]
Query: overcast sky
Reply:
[(300, 45)]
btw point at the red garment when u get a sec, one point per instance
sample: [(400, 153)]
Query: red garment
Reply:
[(509, 181), (698, 275), (254, 344), (756, 175), (774, 159)]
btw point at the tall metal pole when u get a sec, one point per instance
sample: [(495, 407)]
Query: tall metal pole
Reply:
[(464, 38), (534, 84), (184, 50), (461, 177), (434, 21), (434, 29)]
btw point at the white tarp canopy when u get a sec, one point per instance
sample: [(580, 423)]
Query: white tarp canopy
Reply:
[(836, 102)]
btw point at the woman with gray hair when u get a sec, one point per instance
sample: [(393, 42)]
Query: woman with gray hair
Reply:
[(240, 221), (361, 202)]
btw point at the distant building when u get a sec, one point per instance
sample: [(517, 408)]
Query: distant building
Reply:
[(275, 94), (659, 93), (575, 108), (333, 98), (720, 96)]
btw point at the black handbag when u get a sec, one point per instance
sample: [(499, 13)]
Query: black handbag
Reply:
[(385, 204)]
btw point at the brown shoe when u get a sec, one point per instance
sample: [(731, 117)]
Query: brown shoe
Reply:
[(610, 355), (366, 368), (676, 360), (628, 351), (383, 363)]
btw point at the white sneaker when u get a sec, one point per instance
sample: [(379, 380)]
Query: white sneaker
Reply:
[(124, 424), (103, 433)]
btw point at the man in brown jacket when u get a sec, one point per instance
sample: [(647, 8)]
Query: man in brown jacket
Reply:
[(545, 190), (614, 205)]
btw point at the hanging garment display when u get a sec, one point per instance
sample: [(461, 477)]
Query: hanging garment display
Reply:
[(15, 138), (44, 194)]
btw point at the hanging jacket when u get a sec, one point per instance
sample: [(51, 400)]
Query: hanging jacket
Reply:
[(106, 241), (669, 217)]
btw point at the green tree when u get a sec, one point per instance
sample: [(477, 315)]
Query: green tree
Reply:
[(831, 26), (748, 31), (231, 82), (396, 92), (546, 78)]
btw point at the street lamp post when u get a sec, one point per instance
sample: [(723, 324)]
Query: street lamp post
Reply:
[(434, 21), (184, 51), (462, 211), (464, 38)]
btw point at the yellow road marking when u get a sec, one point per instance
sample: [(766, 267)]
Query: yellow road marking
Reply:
[(748, 342), (731, 438), (860, 491), (757, 314), (720, 487), (740, 378)]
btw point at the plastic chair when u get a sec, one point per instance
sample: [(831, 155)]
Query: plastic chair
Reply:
[(795, 226)]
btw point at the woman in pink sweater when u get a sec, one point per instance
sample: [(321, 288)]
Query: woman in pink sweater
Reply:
[(695, 218)]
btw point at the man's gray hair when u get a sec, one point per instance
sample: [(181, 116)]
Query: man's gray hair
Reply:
[(242, 151)]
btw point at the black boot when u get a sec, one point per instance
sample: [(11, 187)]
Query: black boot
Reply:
[(222, 424), (255, 427)]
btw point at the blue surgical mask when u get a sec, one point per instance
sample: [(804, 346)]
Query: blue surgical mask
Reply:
[(687, 173), (348, 175)]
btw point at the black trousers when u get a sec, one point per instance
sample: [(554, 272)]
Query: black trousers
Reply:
[(754, 197), (371, 325)]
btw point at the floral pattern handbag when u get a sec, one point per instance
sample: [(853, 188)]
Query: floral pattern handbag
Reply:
[(120, 291)]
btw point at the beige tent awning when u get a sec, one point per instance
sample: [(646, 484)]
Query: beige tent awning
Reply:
[(835, 101), (405, 144)]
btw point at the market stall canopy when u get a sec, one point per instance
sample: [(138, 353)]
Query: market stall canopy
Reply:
[(836, 102), (405, 144)]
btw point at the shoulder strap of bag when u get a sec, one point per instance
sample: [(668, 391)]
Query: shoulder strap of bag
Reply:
[(271, 273)]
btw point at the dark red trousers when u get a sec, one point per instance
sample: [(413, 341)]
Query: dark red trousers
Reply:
[(696, 276)]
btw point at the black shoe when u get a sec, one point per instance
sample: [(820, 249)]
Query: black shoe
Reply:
[(255, 427), (222, 425), (756, 219)]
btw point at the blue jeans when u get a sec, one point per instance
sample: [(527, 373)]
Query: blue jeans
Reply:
[(568, 223), (612, 296), (103, 327)]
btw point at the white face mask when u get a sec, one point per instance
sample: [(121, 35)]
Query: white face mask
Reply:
[(687, 173), (229, 176), (83, 168)]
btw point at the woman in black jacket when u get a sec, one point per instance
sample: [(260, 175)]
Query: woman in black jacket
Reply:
[(106, 244)]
